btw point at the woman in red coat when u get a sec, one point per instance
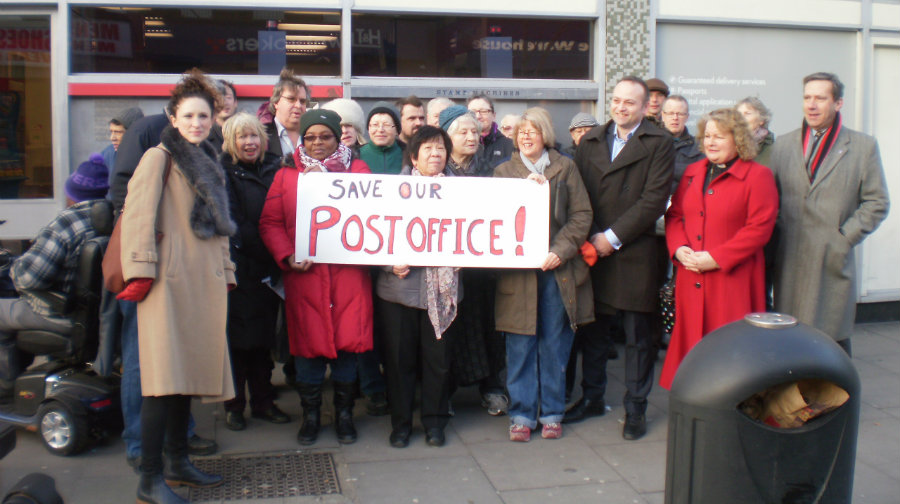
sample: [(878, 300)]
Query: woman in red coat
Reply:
[(329, 306), (721, 216)]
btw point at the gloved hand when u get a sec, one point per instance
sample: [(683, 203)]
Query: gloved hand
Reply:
[(589, 253), (136, 290)]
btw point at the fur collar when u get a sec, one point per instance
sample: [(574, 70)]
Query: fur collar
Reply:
[(210, 215)]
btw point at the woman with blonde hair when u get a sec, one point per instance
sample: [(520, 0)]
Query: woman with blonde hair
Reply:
[(252, 306), (721, 217), (539, 309)]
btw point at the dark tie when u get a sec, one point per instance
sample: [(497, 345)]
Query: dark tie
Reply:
[(811, 154)]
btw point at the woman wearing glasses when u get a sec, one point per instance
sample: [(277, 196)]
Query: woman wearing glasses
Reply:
[(539, 308), (329, 306)]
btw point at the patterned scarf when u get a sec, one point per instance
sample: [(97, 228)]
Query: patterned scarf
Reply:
[(441, 292), (338, 161), (824, 144), (540, 165)]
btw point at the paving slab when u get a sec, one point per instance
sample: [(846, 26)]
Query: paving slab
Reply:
[(615, 491), (642, 465), (438, 480)]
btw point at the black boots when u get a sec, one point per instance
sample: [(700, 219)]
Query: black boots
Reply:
[(311, 401), (181, 472), (343, 412), (154, 490)]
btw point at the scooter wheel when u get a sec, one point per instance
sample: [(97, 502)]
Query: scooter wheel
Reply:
[(63, 432)]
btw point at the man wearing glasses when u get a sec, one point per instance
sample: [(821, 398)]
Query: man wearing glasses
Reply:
[(382, 153), (289, 101), (497, 148), (675, 114)]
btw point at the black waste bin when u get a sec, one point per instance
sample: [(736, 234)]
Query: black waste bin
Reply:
[(718, 454)]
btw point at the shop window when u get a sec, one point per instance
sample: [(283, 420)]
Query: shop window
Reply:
[(223, 41), (26, 164), (429, 46)]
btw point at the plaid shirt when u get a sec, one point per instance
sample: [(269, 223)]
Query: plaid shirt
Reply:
[(52, 261)]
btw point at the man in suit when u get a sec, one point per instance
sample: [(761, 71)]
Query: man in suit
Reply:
[(626, 165), (833, 194), (289, 100)]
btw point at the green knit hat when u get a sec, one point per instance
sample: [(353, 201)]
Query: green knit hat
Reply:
[(328, 118)]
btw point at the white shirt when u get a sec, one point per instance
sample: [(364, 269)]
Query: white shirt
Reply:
[(287, 146)]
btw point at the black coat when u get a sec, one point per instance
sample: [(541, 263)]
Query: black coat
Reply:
[(627, 195), (137, 139), (252, 306)]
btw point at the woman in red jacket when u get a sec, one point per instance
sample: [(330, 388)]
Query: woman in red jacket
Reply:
[(721, 216), (329, 306)]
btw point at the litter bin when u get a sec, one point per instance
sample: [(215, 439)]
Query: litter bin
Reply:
[(717, 453)]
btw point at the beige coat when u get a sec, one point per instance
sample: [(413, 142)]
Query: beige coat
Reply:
[(570, 220), (181, 322)]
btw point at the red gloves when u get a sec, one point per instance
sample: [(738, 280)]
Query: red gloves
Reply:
[(136, 290), (589, 253)]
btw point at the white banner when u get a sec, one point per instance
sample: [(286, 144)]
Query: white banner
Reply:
[(351, 218)]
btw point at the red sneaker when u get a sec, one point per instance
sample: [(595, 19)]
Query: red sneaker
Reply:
[(519, 433), (551, 431)]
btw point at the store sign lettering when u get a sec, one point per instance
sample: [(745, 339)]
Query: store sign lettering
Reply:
[(106, 38), (503, 44), (367, 37), (24, 39)]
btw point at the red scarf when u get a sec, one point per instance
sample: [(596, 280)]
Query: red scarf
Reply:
[(830, 135)]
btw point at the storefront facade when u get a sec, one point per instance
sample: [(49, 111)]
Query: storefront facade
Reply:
[(67, 67)]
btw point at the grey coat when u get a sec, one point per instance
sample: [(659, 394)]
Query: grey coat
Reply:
[(820, 224)]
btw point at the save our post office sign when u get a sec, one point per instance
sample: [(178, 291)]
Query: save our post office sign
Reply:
[(351, 218)]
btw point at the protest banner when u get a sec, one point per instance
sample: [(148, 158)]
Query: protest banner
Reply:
[(351, 218)]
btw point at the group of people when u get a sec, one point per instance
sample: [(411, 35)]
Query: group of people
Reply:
[(208, 236)]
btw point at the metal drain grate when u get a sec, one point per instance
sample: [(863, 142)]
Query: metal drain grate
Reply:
[(269, 476)]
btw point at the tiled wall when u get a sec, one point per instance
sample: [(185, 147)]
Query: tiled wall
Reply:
[(627, 41)]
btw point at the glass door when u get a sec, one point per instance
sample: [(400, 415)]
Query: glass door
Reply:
[(28, 198)]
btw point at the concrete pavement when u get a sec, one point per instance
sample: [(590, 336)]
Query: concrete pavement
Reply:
[(591, 463)]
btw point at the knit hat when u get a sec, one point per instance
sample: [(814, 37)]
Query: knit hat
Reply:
[(655, 84), (384, 107), (581, 120), (350, 111), (90, 180), (328, 118), (128, 116), (449, 114)]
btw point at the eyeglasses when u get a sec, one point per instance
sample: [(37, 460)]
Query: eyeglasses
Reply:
[(485, 111), (320, 138), (676, 114), (381, 126), (529, 133), (294, 99)]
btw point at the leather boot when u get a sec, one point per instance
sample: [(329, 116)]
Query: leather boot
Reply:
[(181, 472), (311, 401), (343, 412), (153, 490)]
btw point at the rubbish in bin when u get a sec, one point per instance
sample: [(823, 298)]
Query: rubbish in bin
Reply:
[(790, 405)]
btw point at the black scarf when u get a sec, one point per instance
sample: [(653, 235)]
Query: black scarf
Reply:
[(210, 215)]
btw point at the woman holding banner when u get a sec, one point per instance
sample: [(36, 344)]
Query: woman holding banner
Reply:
[(538, 309), (329, 306), (479, 352), (417, 307)]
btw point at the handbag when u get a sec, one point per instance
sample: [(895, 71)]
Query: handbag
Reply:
[(667, 304), (113, 278)]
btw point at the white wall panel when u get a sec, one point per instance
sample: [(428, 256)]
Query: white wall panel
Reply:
[(880, 278), (570, 8), (886, 16), (842, 12)]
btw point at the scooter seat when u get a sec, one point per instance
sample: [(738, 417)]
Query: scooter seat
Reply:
[(39, 342)]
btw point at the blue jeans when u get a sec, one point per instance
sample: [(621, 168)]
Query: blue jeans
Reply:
[(131, 382), (536, 364), (312, 371)]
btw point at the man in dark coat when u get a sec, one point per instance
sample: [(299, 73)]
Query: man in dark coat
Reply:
[(497, 148), (833, 194), (289, 100), (626, 165)]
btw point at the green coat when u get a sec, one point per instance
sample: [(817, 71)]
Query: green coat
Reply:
[(570, 220), (387, 160)]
